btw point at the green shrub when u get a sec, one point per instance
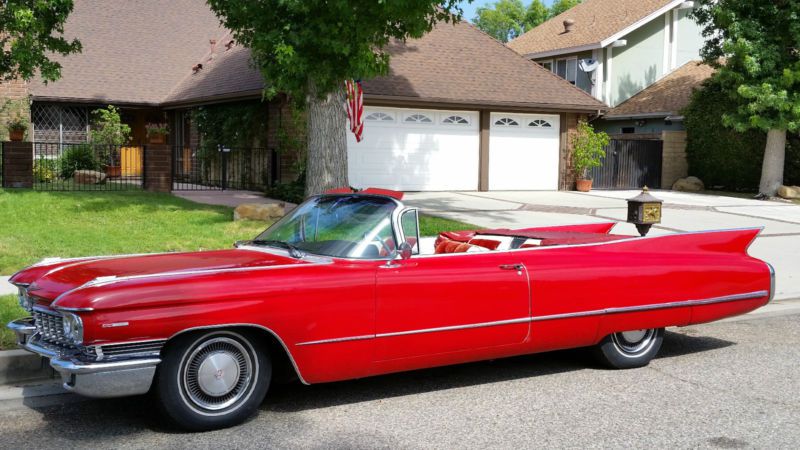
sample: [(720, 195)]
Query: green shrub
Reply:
[(724, 158), (44, 170), (78, 157), (293, 192), (589, 149)]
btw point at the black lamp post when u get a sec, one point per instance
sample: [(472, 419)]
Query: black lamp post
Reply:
[(644, 210)]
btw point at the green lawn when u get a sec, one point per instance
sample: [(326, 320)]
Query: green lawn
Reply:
[(36, 225), (9, 310)]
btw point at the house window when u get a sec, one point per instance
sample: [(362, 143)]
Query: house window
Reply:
[(418, 118), (568, 69), (506, 122), (456, 120), (628, 130), (380, 117), (539, 123), (59, 124), (547, 65)]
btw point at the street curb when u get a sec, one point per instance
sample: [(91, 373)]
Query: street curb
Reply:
[(19, 366)]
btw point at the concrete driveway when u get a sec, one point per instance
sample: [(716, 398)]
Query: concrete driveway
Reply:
[(778, 243)]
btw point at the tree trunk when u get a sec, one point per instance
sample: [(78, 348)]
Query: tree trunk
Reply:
[(772, 168), (327, 142)]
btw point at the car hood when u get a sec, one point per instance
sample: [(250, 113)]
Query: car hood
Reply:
[(48, 281)]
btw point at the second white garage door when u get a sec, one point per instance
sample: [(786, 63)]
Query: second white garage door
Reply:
[(416, 150), (523, 152)]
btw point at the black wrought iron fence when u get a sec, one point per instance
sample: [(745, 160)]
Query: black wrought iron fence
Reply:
[(87, 167), (243, 168)]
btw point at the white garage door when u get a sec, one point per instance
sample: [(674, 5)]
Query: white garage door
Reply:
[(415, 150), (523, 152)]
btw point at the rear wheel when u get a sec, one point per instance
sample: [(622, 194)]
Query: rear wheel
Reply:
[(629, 349), (212, 379)]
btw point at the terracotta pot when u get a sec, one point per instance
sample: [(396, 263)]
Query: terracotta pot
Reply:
[(16, 135), (113, 171), (157, 139), (583, 185)]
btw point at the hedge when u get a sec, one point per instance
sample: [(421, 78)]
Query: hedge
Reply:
[(722, 157)]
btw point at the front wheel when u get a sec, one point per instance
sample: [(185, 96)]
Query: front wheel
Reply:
[(629, 349), (211, 380)]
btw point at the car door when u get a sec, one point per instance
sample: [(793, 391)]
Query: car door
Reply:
[(436, 304)]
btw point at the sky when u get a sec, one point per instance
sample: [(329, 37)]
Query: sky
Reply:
[(469, 8)]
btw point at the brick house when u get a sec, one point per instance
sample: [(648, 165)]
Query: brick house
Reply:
[(457, 111)]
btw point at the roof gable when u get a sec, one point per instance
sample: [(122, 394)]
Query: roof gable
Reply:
[(457, 63), (596, 23), (666, 97)]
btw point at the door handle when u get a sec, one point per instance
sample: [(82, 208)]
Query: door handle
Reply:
[(517, 267)]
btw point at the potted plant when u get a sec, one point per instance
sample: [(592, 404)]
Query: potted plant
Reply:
[(157, 133), (16, 129), (17, 112), (107, 135), (588, 151)]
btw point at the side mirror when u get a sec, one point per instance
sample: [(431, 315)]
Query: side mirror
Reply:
[(405, 250)]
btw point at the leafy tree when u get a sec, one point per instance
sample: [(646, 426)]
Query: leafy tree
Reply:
[(559, 6), (508, 19), (308, 48), (536, 13), (754, 46), (30, 32)]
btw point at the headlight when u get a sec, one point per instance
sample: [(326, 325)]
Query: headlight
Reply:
[(25, 300), (73, 328)]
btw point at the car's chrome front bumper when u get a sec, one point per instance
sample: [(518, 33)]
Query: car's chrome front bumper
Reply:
[(91, 379)]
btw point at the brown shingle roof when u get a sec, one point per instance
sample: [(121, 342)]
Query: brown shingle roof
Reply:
[(595, 21), (134, 51), (460, 64), (230, 73), (143, 51), (668, 96)]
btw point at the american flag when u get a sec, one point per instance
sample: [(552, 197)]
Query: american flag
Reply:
[(355, 107)]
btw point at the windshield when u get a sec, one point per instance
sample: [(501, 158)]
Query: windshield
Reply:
[(349, 226)]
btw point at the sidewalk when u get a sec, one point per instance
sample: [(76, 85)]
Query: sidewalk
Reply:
[(6, 288), (778, 243)]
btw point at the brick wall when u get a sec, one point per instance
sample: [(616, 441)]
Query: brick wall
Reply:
[(673, 160), (569, 127), (17, 164), (10, 90), (158, 168)]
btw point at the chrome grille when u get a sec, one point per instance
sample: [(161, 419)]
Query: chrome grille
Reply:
[(129, 350), (50, 326)]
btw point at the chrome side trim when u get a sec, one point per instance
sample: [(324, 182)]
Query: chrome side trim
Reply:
[(64, 308), (343, 339), (771, 281), (251, 325), (455, 327), (596, 312)]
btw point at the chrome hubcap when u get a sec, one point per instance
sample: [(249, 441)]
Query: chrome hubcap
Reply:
[(635, 342), (634, 336), (217, 373)]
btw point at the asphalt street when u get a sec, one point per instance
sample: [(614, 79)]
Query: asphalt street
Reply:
[(722, 385)]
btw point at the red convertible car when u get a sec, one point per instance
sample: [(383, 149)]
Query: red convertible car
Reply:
[(344, 287)]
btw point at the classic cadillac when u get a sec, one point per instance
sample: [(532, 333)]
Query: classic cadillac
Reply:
[(344, 287)]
